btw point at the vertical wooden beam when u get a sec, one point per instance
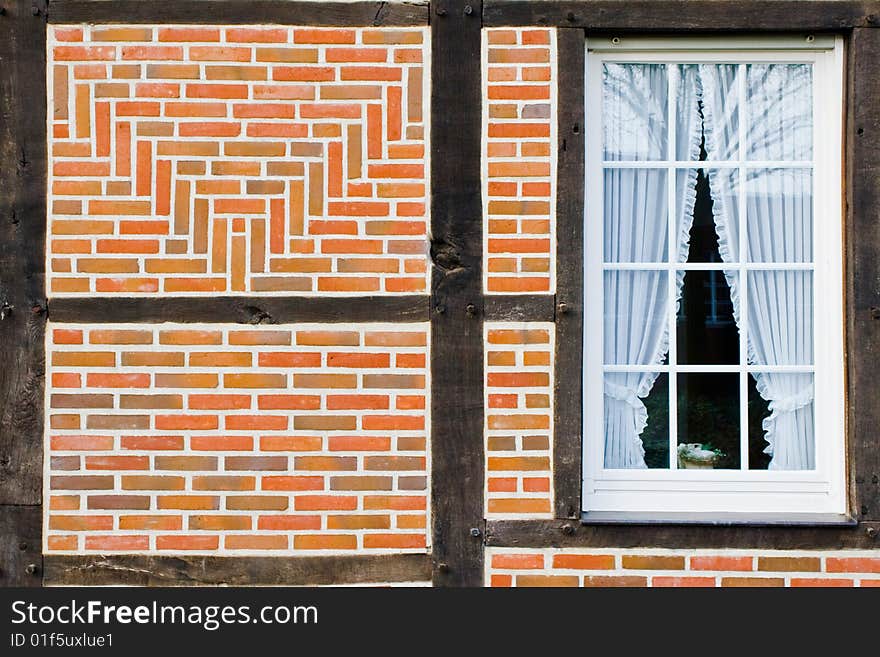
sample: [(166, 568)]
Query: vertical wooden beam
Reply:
[(567, 437), (863, 271), (21, 548), (22, 287), (22, 248), (456, 295)]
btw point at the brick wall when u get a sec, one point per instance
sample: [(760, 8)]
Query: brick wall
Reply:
[(204, 160), (647, 567), (223, 439), (197, 160), (519, 419), (519, 159)]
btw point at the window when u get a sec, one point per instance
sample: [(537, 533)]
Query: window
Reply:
[(713, 379)]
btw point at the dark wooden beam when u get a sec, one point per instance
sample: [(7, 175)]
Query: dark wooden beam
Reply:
[(456, 295), (568, 405), (284, 12), (520, 308), (573, 534), (863, 272), (143, 570), (22, 248), (242, 310), (21, 549), (686, 15)]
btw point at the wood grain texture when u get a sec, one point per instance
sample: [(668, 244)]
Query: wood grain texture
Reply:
[(21, 550), (686, 15), (242, 310), (863, 272), (571, 533), (22, 249), (284, 12), (568, 406), (141, 570), (456, 296)]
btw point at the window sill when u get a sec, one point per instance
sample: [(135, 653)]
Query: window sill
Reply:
[(719, 519)]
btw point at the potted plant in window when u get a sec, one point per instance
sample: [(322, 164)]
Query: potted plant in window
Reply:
[(698, 456)]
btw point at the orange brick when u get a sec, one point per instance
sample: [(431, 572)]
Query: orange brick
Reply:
[(820, 582), (789, 564), (189, 34), (721, 563), (753, 582), (186, 542), (186, 422), (518, 561), (117, 543), (331, 36), (298, 483), (518, 506), (852, 564), (255, 542), (546, 580)]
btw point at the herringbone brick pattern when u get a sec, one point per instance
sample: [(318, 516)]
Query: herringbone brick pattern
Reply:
[(519, 419), (217, 438), (519, 159), (204, 160)]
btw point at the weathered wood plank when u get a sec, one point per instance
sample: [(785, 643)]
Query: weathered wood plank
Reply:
[(520, 308), (243, 310), (686, 15), (456, 295), (142, 570), (22, 248), (284, 12), (863, 272), (570, 313), (21, 549), (571, 533)]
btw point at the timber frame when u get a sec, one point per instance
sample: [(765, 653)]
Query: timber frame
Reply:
[(457, 305)]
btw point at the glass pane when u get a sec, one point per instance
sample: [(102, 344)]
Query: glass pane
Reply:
[(634, 110), (635, 322), (723, 204), (702, 220), (785, 431), (721, 93), (780, 313), (706, 330), (689, 124), (636, 420), (780, 108), (636, 211), (779, 211), (708, 421)]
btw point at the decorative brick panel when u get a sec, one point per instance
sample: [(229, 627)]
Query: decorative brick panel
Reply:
[(519, 419), (519, 159), (225, 439), (194, 160), (664, 568)]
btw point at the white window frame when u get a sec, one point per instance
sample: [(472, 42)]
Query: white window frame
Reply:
[(718, 493)]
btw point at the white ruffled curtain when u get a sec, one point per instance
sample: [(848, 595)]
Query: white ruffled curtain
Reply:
[(779, 206), (636, 199), (779, 210)]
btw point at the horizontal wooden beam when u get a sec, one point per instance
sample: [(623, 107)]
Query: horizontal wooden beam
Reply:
[(283, 12), (574, 534), (520, 308), (241, 310), (143, 570), (686, 15)]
